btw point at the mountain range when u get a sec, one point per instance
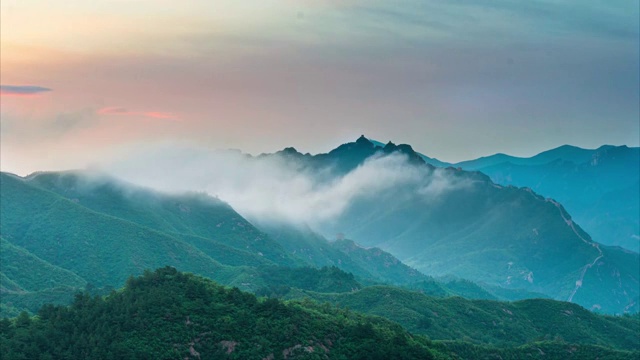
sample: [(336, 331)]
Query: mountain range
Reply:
[(405, 239), (599, 187), (62, 231), (450, 221)]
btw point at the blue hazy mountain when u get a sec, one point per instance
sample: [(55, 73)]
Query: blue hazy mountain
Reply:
[(442, 222), (598, 187), (428, 160), (565, 152), (503, 236)]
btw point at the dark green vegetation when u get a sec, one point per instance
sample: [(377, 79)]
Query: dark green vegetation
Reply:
[(192, 218), (539, 350), (490, 322), (170, 315), (280, 280), (463, 224), (600, 188), (368, 264), (167, 314)]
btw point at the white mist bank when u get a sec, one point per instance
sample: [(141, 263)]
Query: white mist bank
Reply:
[(275, 188)]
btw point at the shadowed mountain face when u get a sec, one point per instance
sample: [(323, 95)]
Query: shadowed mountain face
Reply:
[(347, 157), (566, 152), (428, 160), (449, 221), (600, 188), (438, 221), (71, 230)]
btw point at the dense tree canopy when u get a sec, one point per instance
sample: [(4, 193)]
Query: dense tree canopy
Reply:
[(167, 314)]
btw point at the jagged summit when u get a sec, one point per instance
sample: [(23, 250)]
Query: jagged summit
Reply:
[(349, 155), (362, 140), (289, 150), (406, 149)]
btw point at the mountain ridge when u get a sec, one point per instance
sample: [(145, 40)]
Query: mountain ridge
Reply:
[(400, 223)]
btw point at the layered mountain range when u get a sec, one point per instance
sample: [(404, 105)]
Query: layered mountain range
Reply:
[(440, 222), (437, 250), (450, 221), (599, 187), (62, 232)]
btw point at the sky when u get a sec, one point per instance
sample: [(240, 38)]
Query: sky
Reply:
[(84, 80)]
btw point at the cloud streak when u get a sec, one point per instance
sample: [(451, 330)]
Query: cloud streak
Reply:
[(22, 90), (148, 114), (278, 188)]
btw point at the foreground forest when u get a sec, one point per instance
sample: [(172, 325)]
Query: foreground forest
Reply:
[(167, 314)]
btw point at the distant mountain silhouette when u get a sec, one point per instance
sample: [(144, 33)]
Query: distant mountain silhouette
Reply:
[(505, 236), (598, 187)]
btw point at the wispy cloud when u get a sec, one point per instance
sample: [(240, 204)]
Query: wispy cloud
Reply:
[(114, 110), (25, 127), (277, 188), (22, 90)]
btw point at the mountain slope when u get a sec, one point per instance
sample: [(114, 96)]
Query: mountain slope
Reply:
[(449, 221), (601, 191), (380, 263), (429, 160), (94, 246), (490, 322), (27, 282), (41, 274), (190, 217), (105, 231), (566, 153), (368, 264), (231, 241)]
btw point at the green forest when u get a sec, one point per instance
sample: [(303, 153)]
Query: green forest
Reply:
[(168, 314)]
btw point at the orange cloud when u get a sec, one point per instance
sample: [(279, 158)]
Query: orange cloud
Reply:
[(114, 110)]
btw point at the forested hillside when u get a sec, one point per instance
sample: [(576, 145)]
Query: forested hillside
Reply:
[(168, 314), (62, 232), (489, 322)]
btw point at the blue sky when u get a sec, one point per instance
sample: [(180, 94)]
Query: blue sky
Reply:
[(456, 79)]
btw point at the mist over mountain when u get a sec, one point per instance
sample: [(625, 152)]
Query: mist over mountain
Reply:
[(440, 221), (66, 231), (187, 180), (376, 228), (286, 185)]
